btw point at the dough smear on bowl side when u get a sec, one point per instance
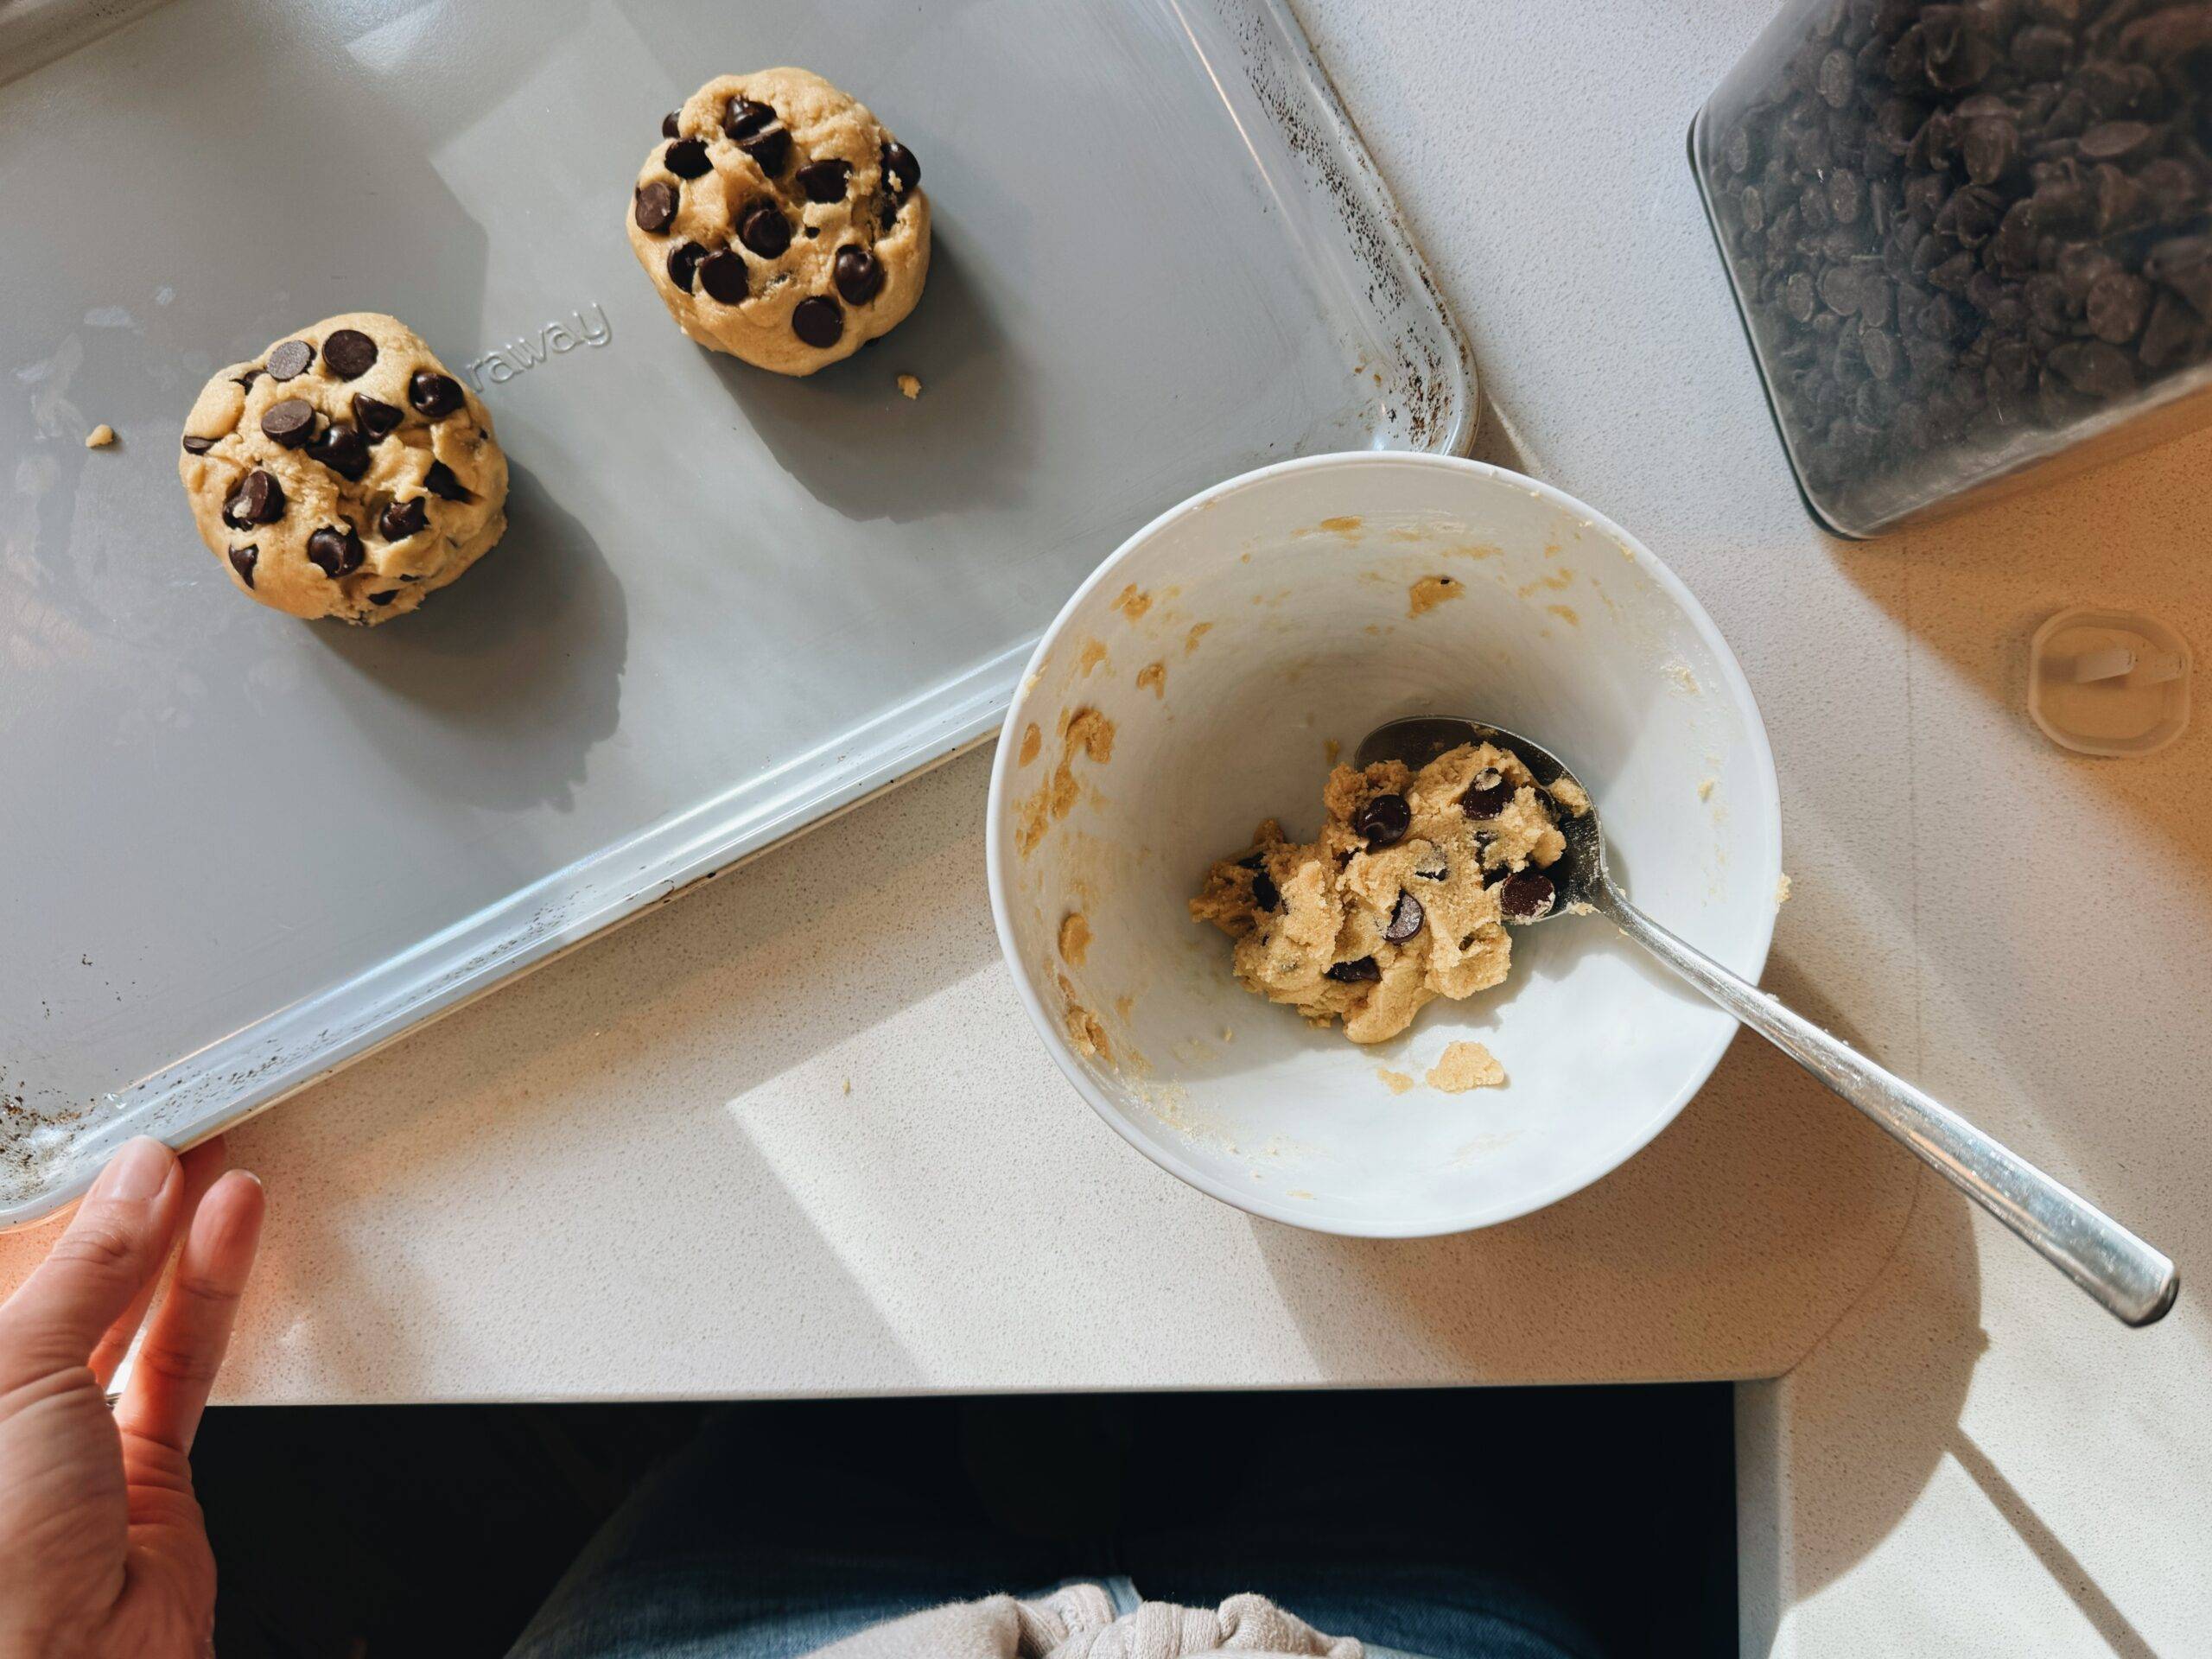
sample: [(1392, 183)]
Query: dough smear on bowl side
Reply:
[(1402, 897), (780, 222), (343, 473)]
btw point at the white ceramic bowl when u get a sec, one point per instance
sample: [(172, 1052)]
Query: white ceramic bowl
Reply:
[(1281, 616)]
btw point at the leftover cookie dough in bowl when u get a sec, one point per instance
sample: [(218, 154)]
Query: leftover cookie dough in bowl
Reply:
[(1202, 900)]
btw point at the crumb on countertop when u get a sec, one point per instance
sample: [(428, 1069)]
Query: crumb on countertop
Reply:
[(1782, 891), (1396, 1082), (101, 437), (1705, 789), (910, 384)]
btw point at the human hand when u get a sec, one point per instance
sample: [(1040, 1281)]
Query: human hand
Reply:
[(103, 1550)]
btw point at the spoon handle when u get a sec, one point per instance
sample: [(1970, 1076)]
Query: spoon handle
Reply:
[(2134, 1282)]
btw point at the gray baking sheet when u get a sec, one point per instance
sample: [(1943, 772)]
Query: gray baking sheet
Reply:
[(236, 850)]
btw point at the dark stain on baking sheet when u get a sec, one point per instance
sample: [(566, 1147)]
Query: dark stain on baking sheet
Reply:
[(1419, 391), (191, 1103)]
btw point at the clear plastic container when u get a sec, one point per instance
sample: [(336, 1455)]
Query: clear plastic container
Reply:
[(1972, 242)]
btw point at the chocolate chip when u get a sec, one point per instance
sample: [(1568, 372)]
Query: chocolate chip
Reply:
[(2184, 264), (2115, 141), (2093, 368), (1405, 920), (765, 230), (2168, 334), (290, 422), (344, 450), (247, 379), (687, 158), (668, 127), (1361, 970), (818, 321), (2117, 305), (1494, 873), (683, 264), (243, 559), (825, 180), (1801, 297), (1265, 894), (1992, 147), (1384, 820), (1488, 795), (401, 519), (375, 417), (900, 169), (258, 499), (1834, 78), (441, 482), (744, 117), (656, 208), (336, 552), (290, 360), (1526, 896), (723, 276), (349, 353), (433, 394), (386, 597), (197, 446), (771, 149), (858, 274)]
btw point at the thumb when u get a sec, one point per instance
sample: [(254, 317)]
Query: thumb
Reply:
[(115, 1245)]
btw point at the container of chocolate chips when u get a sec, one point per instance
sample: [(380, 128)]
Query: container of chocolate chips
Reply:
[(1972, 243)]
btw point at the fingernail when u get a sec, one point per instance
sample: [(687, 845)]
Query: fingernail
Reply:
[(138, 1172)]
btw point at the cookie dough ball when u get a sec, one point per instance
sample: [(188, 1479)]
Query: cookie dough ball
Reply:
[(780, 222), (1404, 896), (343, 472)]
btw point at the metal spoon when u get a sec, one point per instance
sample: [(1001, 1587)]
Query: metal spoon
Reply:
[(2133, 1281)]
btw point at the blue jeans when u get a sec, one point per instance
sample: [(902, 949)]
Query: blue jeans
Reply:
[(752, 1546)]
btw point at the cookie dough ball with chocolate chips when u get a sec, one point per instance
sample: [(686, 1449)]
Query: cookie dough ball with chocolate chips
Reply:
[(780, 222), (1406, 894), (343, 472)]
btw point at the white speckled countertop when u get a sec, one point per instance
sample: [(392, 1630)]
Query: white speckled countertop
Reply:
[(639, 1171)]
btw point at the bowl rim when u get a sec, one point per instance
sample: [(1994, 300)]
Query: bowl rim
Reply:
[(1262, 1201)]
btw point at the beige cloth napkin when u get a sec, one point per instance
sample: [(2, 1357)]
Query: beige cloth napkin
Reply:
[(1078, 1623)]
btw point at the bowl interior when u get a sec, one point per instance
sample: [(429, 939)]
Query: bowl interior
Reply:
[(1236, 648)]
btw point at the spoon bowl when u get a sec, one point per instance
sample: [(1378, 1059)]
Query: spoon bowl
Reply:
[(2132, 1281), (1579, 877)]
